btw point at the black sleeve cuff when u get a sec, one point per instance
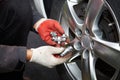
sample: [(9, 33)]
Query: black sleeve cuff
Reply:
[(22, 58), (12, 58)]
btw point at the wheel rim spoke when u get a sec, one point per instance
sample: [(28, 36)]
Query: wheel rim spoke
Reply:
[(73, 21), (75, 56), (88, 65), (93, 14), (92, 61), (108, 51), (85, 66), (72, 14)]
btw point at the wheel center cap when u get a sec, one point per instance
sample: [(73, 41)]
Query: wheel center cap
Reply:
[(85, 41)]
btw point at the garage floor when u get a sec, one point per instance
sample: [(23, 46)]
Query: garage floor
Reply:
[(34, 71)]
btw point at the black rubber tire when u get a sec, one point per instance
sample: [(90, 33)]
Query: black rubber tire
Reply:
[(55, 14)]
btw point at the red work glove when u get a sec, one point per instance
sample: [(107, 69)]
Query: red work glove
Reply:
[(45, 26)]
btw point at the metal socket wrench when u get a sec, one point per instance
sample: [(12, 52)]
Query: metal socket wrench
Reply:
[(76, 46), (66, 51)]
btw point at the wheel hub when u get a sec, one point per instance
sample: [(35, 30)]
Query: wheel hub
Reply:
[(85, 41)]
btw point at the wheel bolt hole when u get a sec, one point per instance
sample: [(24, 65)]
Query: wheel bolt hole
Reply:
[(78, 32), (87, 31)]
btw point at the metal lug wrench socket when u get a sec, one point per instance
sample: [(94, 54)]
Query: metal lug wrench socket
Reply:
[(76, 46)]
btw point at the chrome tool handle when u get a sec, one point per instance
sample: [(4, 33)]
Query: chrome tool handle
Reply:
[(67, 50)]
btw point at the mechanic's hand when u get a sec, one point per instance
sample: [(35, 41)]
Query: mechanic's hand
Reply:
[(44, 56), (45, 26)]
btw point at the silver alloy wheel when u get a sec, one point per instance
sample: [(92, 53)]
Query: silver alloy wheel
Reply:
[(89, 34)]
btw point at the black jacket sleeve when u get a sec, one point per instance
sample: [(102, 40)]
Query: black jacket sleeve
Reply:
[(11, 58), (36, 15)]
